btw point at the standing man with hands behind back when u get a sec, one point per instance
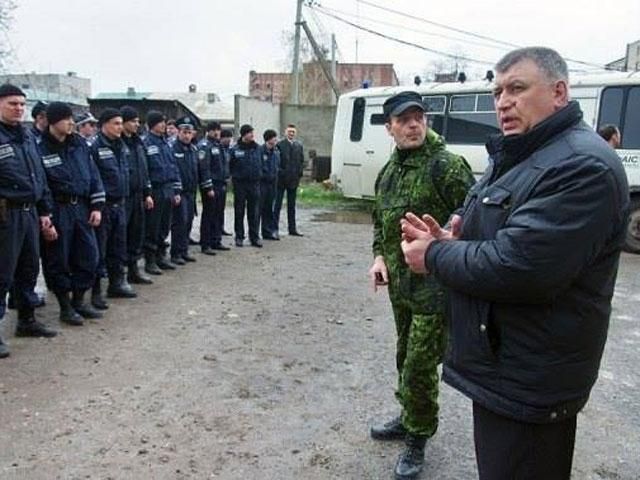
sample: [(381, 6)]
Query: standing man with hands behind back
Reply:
[(289, 175), (530, 265), (421, 175)]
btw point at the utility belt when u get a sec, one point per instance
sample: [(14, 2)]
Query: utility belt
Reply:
[(69, 199), (6, 204)]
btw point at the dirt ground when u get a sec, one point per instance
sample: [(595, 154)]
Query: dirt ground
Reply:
[(264, 364)]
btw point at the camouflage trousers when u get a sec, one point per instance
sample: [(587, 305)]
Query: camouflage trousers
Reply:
[(420, 346)]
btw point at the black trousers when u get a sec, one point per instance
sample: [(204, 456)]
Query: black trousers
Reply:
[(112, 239), (507, 449), (135, 225), (268, 223), (291, 206), (158, 220), (246, 196)]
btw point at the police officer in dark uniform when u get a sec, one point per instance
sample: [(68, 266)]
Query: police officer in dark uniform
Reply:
[(112, 158), (226, 136), (245, 163), (211, 160), (268, 182), (186, 157), (139, 198), (40, 123), (78, 197), (24, 209), (166, 189)]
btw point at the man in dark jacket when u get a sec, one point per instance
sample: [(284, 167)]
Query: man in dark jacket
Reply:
[(530, 263), (245, 164), (139, 199), (212, 189), (289, 175), (268, 184)]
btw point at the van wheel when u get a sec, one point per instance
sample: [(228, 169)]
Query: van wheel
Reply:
[(632, 239)]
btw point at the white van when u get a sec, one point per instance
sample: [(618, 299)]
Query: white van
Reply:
[(464, 114)]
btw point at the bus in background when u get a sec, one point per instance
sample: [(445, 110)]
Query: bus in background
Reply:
[(464, 114)]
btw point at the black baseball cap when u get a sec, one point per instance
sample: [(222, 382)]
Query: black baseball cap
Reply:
[(400, 103)]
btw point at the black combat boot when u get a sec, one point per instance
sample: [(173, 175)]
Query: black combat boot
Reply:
[(134, 275), (163, 263), (392, 430), (97, 300), (118, 288), (188, 258), (86, 310), (411, 461), (4, 349), (28, 326), (150, 265), (178, 261), (67, 314), (208, 251)]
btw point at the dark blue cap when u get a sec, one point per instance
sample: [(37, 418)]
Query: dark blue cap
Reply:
[(400, 103), (185, 122)]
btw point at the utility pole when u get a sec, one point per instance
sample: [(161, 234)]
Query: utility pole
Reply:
[(334, 65), (321, 59), (296, 56)]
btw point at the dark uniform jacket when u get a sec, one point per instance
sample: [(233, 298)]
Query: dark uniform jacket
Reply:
[(138, 169), (22, 178), (531, 281), (112, 160), (245, 162), (186, 157), (162, 166), (270, 163), (70, 169), (291, 163), (212, 164)]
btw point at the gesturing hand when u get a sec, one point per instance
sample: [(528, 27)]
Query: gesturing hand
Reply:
[(414, 228)]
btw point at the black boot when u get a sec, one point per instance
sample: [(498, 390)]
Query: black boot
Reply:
[(178, 261), (411, 461), (4, 349), (97, 300), (188, 258), (163, 263), (150, 265), (118, 288), (28, 326), (86, 310), (136, 276), (392, 430), (67, 314)]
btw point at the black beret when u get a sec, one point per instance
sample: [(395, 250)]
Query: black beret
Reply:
[(269, 134), (8, 90), (38, 108), (108, 114), (244, 129), (57, 111), (128, 113), (154, 117), (213, 126), (400, 103)]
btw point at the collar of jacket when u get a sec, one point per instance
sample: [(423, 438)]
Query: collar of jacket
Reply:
[(12, 133), (247, 146), (55, 145), (115, 144), (414, 157), (512, 149)]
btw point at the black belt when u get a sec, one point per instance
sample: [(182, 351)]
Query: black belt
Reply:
[(69, 199), (20, 205), (115, 201)]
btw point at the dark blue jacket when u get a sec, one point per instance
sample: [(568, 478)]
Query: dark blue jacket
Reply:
[(270, 163), (532, 277), (112, 160), (70, 169), (211, 157), (138, 170), (245, 162), (186, 157), (22, 178), (162, 166), (226, 172)]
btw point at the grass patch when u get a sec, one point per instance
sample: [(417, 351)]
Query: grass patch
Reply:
[(315, 195)]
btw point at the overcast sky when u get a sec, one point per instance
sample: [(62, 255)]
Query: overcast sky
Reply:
[(161, 45)]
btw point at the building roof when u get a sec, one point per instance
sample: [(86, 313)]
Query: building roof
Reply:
[(205, 106)]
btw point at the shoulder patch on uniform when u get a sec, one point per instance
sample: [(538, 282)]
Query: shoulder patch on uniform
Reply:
[(239, 153), (202, 154), (6, 151), (265, 156), (105, 152), (215, 151), (153, 150), (50, 161), (178, 155)]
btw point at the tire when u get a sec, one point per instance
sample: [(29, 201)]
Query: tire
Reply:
[(632, 238)]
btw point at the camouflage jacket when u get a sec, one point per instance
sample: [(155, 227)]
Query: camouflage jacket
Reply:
[(426, 180)]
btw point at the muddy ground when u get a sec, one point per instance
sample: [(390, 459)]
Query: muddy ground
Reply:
[(263, 364)]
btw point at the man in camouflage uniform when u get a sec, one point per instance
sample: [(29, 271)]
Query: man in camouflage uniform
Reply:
[(420, 176)]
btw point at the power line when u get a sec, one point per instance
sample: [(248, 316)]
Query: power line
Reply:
[(464, 32), (399, 40)]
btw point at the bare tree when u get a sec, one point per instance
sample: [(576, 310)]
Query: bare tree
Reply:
[(6, 10), (448, 65), (306, 51)]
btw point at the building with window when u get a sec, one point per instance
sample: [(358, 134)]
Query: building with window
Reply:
[(630, 62)]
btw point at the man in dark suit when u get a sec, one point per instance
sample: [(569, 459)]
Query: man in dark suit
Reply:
[(289, 174)]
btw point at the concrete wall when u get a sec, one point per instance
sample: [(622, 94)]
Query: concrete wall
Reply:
[(314, 123), (259, 114)]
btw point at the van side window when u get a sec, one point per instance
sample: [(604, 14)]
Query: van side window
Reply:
[(631, 126), (611, 106), (434, 106), (471, 119), (377, 119), (357, 119)]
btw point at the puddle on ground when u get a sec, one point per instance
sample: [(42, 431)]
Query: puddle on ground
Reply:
[(345, 216)]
